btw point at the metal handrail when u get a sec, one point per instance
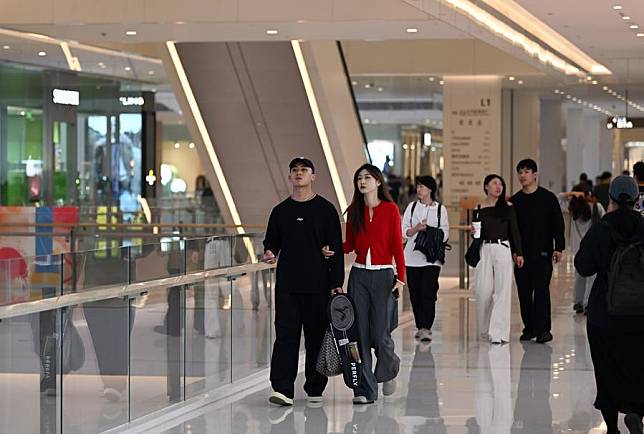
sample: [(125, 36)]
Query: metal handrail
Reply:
[(124, 290)]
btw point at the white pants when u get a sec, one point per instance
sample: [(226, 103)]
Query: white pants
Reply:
[(493, 390), (493, 284)]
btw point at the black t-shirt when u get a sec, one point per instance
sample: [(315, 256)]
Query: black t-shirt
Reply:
[(540, 222), (296, 233), (501, 227)]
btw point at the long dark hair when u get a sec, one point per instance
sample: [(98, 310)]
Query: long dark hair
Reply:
[(579, 207), (355, 212), (501, 207)]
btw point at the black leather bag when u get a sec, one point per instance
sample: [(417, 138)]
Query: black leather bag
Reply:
[(430, 241), (473, 254)]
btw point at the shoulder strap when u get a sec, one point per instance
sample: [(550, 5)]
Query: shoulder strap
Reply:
[(413, 208), (440, 205)]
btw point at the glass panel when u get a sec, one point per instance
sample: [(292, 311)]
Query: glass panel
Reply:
[(29, 373), (126, 164), (65, 173), (251, 323), (96, 268), (156, 362), (208, 338), (156, 261), (28, 278), (95, 365), (94, 163)]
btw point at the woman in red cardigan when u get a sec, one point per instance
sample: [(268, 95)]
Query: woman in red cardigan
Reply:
[(374, 234)]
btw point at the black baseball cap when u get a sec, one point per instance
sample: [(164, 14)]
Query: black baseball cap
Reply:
[(301, 161)]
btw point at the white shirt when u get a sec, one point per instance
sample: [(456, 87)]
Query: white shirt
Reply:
[(414, 258)]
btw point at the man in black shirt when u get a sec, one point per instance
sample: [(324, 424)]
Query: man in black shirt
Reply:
[(638, 174), (298, 229), (541, 225)]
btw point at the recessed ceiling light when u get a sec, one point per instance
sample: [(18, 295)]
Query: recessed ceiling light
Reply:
[(626, 17), (5, 47), (191, 145), (431, 78), (150, 72), (617, 7), (594, 81), (633, 26), (180, 22), (271, 32), (380, 89), (177, 145), (127, 68), (520, 81), (640, 35), (605, 87), (42, 53), (354, 82), (442, 82), (131, 33), (367, 86), (412, 30), (511, 78)]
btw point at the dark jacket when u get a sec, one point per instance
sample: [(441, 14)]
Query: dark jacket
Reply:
[(594, 257)]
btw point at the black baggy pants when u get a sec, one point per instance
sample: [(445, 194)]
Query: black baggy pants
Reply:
[(533, 284), (422, 283), (294, 312)]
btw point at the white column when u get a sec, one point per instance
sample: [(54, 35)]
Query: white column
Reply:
[(552, 162), (589, 145)]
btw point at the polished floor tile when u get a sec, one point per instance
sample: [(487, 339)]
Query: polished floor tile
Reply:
[(455, 384)]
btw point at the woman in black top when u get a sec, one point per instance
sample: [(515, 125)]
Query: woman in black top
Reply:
[(616, 342), (493, 275)]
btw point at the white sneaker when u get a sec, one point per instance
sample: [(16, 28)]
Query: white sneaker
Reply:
[(312, 399), (389, 387), (425, 336), (277, 415), (280, 399), (112, 394), (361, 400), (418, 332)]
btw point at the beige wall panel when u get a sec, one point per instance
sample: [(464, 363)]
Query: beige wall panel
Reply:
[(442, 56), (171, 11), (285, 10)]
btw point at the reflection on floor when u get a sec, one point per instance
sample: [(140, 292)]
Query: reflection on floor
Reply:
[(455, 384)]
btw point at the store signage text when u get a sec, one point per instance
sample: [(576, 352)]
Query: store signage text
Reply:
[(131, 100), (66, 97)]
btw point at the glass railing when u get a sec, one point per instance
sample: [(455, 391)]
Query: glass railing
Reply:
[(94, 340)]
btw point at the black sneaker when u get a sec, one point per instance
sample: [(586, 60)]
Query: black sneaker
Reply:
[(578, 307), (633, 422), (544, 337), (527, 337)]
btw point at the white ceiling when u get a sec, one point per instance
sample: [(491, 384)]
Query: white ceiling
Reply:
[(600, 31)]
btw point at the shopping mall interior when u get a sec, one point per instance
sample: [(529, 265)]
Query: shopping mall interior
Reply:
[(144, 145)]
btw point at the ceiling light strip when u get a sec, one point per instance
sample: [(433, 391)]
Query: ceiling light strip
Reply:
[(498, 27), (515, 12), (206, 140), (319, 124)]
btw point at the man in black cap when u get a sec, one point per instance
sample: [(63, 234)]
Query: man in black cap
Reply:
[(298, 229)]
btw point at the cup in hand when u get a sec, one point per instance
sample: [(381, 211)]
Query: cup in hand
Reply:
[(477, 229)]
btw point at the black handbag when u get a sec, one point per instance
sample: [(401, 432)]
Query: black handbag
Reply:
[(473, 254), (430, 241)]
